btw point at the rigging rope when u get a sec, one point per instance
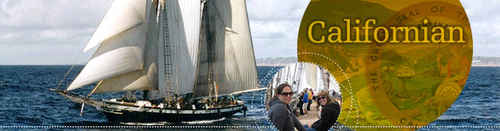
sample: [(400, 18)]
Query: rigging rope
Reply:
[(64, 77)]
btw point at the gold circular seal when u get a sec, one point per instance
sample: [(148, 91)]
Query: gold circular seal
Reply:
[(399, 63)]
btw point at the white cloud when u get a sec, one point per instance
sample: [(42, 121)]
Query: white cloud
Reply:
[(275, 25), (47, 31), (485, 23), (52, 13), (276, 9)]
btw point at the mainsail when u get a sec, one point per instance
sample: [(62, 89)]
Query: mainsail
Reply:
[(172, 47), (229, 51)]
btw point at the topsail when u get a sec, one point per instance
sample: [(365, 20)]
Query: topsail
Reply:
[(119, 59)]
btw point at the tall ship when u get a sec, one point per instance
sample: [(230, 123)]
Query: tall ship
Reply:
[(189, 59)]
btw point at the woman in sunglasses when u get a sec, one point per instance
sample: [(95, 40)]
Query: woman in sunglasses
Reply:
[(280, 113), (329, 113)]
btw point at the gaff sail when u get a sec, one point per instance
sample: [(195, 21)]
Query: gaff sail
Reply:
[(228, 52)]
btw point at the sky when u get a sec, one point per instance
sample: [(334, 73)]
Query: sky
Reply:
[(54, 32)]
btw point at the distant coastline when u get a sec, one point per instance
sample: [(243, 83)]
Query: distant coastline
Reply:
[(477, 61), (481, 65), (273, 65)]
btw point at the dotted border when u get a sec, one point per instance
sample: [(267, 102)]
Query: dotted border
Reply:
[(269, 127)]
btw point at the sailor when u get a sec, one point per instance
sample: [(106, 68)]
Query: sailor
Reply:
[(129, 97), (161, 106), (203, 103), (309, 98), (300, 103), (166, 101), (209, 103), (220, 101), (179, 102), (225, 101), (280, 113), (305, 99), (213, 102), (145, 94), (171, 102), (245, 109), (233, 101)]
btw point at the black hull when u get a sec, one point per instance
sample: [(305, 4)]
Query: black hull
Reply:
[(131, 116), (119, 112)]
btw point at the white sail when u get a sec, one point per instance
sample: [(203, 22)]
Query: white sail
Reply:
[(123, 15), (291, 74), (155, 45), (309, 79), (301, 76), (179, 51), (107, 65), (121, 45), (129, 81), (232, 56)]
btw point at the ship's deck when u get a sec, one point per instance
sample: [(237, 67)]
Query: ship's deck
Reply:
[(311, 116)]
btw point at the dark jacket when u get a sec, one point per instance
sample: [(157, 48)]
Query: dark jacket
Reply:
[(300, 103), (282, 117), (329, 115)]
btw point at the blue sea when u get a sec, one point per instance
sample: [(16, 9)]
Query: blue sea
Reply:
[(25, 100)]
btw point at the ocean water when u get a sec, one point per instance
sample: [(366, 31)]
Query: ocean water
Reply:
[(478, 106), (25, 100)]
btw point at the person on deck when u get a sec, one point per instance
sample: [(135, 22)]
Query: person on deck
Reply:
[(310, 98), (329, 113), (300, 103), (305, 100), (280, 113)]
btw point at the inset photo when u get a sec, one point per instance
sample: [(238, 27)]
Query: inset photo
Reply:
[(302, 96)]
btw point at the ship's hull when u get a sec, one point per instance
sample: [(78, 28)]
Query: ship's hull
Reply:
[(123, 112), (188, 115)]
